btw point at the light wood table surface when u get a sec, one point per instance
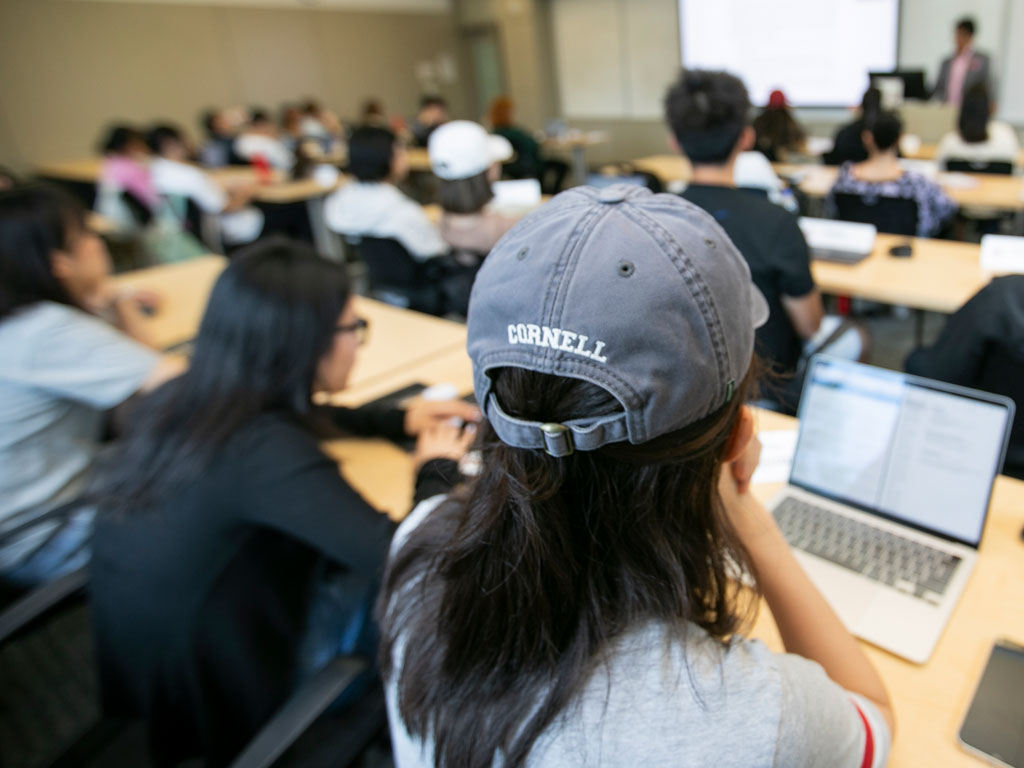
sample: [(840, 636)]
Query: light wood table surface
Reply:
[(989, 191), (929, 700), (929, 151), (399, 338), (939, 276), (418, 159), (280, 190)]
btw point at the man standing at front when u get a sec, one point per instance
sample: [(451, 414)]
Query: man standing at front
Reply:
[(964, 69)]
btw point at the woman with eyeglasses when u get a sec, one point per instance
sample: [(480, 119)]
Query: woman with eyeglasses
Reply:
[(231, 559)]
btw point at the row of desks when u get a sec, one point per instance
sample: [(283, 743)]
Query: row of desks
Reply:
[(1005, 193), (407, 347)]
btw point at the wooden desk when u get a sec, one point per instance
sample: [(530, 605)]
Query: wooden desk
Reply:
[(989, 191), (184, 288), (930, 700), (399, 338), (418, 159), (931, 151), (940, 276)]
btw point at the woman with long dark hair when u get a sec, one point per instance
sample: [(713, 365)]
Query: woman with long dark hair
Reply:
[(72, 348), (223, 527), (578, 603), (778, 134)]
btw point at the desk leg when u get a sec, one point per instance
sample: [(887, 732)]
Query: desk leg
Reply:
[(918, 327), (327, 243), (579, 165)]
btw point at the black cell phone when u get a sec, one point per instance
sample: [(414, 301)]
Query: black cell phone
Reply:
[(902, 250), (994, 725)]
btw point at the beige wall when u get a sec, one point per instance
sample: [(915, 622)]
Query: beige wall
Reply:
[(68, 68)]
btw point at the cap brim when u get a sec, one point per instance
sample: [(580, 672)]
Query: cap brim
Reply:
[(759, 310), (499, 149)]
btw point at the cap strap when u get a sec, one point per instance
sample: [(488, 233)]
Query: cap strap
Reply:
[(554, 438)]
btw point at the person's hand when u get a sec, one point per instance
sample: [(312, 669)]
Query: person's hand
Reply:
[(422, 414), (101, 298), (747, 515), (443, 441), (149, 301)]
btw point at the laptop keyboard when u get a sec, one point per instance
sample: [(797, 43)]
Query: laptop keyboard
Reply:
[(905, 564)]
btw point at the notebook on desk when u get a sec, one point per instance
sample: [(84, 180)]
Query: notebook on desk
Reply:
[(888, 495)]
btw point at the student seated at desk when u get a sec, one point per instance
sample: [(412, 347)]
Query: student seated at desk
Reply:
[(372, 206), (978, 138), (220, 126), (982, 346), (71, 349), (575, 603), (231, 559), (848, 142), (259, 142), (882, 176), (432, 113), (778, 134), (125, 170), (467, 160), (528, 161), (178, 181), (707, 114)]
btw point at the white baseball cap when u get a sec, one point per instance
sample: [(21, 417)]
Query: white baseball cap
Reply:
[(461, 149)]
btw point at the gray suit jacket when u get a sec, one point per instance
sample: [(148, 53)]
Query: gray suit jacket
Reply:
[(977, 72)]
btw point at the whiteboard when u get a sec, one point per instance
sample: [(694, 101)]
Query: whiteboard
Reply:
[(818, 53)]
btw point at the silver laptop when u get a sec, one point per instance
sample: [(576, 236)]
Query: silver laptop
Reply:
[(888, 495), (847, 242)]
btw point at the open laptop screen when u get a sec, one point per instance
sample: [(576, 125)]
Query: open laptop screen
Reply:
[(914, 450)]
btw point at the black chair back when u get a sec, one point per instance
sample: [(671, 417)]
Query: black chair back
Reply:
[(394, 272), (995, 167), (896, 215), (1002, 373)]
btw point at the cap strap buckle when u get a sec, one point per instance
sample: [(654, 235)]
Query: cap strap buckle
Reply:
[(557, 440)]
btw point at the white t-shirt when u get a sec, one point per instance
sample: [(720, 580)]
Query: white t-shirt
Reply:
[(60, 369), (379, 209), (183, 180), (250, 145), (1002, 146), (657, 703)]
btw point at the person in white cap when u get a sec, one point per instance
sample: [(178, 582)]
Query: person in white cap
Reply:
[(467, 160), (576, 603)]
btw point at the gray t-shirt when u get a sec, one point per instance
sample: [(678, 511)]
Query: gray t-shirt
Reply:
[(659, 703), (60, 369)]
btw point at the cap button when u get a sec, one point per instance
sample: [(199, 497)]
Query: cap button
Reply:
[(614, 194)]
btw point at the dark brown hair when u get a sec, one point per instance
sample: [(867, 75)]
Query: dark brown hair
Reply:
[(507, 592), (465, 195), (778, 132)]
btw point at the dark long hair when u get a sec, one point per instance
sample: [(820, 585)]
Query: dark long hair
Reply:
[(35, 221), (510, 589), (975, 112), (270, 318), (778, 132)]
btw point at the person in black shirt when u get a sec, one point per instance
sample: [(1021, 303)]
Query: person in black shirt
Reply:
[(707, 113), (221, 519), (848, 144), (982, 346)]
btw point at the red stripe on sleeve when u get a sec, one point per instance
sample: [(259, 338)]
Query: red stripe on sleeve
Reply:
[(869, 740)]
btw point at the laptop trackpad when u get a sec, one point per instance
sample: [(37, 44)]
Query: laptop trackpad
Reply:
[(849, 594)]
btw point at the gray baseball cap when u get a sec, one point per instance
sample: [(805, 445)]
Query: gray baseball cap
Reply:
[(641, 294)]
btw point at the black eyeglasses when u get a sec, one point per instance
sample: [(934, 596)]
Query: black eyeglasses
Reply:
[(361, 328)]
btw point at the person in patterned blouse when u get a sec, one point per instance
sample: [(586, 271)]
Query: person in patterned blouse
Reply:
[(882, 176)]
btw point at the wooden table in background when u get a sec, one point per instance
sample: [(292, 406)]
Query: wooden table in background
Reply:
[(1005, 193), (939, 276), (399, 338)]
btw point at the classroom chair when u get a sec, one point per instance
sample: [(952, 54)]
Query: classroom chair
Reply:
[(896, 215), (49, 698), (396, 277)]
